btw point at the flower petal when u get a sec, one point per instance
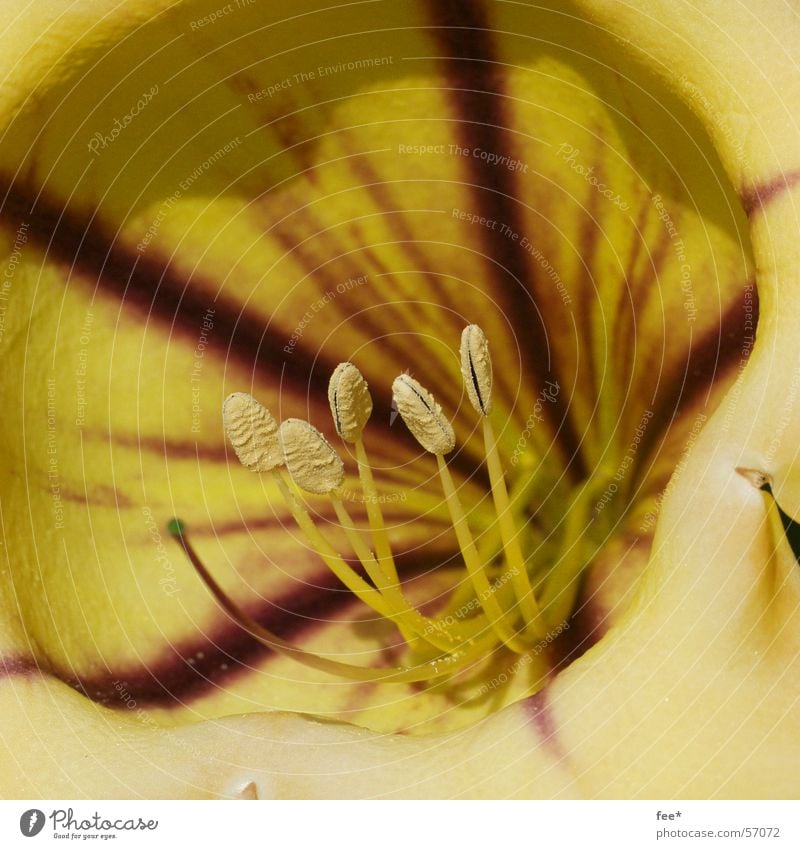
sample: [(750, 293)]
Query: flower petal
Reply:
[(245, 220)]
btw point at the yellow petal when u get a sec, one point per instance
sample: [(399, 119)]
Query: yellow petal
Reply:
[(227, 213)]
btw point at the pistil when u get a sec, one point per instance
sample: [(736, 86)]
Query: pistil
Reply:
[(426, 671)]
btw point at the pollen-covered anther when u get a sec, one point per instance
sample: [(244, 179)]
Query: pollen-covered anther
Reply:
[(252, 431), (311, 460), (476, 367), (351, 403), (423, 416)]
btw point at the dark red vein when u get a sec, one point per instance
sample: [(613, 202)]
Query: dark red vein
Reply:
[(151, 285), (19, 666), (476, 89), (540, 712), (711, 357), (197, 666), (755, 197)]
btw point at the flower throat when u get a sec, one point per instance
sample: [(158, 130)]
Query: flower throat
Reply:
[(505, 611)]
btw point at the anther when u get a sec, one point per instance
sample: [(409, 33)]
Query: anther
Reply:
[(351, 403), (311, 460), (423, 416), (476, 368), (252, 432)]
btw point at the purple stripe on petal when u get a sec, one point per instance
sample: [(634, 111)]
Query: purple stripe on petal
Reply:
[(152, 286), (540, 712), (16, 666), (193, 668), (477, 92), (755, 197), (712, 357)]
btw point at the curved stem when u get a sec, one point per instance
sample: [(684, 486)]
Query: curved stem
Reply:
[(427, 671)]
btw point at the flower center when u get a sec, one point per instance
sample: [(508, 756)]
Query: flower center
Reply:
[(513, 604)]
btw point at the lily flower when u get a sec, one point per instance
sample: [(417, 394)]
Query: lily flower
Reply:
[(476, 288)]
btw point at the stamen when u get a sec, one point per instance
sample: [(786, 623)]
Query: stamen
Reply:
[(476, 368), (434, 432), (380, 538), (315, 467), (311, 460), (475, 568), (351, 403), (246, 420), (426, 671), (406, 617), (332, 559), (515, 562), (423, 416), (252, 432), (351, 407)]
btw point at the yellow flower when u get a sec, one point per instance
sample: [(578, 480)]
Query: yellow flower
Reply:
[(215, 198)]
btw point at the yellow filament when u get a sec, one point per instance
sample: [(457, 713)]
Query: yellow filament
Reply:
[(490, 543), (515, 563), (333, 560), (473, 563), (380, 538), (403, 614), (562, 585), (460, 632)]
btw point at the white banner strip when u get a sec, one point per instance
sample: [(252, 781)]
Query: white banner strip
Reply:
[(401, 825)]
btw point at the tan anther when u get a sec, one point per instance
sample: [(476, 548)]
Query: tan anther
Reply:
[(476, 367), (252, 432), (311, 460), (423, 416), (351, 403)]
